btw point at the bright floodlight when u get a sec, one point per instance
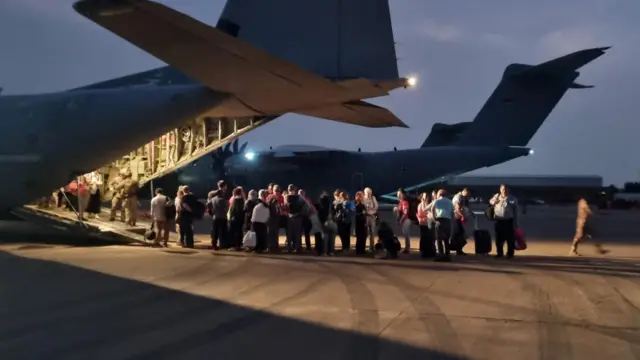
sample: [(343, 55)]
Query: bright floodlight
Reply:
[(412, 81), (531, 152), (250, 155)]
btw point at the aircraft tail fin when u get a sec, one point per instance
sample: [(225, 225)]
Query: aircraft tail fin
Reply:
[(337, 39), (445, 134), (523, 100)]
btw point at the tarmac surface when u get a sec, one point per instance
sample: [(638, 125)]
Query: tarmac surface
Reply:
[(65, 297)]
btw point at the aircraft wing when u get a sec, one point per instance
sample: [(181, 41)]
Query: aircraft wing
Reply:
[(357, 113), (262, 82)]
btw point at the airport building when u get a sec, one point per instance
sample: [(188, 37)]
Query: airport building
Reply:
[(551, 188)]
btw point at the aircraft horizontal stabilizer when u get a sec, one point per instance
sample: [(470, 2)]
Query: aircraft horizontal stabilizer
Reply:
[(575, 85), (216, 59), (357, 113), (565, 64)]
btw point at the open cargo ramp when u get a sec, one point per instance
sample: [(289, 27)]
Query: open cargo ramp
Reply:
[(178, 148)]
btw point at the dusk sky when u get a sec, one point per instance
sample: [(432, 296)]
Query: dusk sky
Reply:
[(458, 49)]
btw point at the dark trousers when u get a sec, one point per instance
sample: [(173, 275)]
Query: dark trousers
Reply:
[(427, 243), (294, 232), (344, 233), (273, 235), (443, 235), (236, 233), (319, 243), (458, 238), (306, 229), (505, 232), (261, 235), (186, 232), (361, 236), (219, 238)]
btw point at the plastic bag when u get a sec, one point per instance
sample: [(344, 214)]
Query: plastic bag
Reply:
[(249, 239)]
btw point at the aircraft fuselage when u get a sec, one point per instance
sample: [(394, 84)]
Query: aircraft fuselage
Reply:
[(319, 171), (51, 138)]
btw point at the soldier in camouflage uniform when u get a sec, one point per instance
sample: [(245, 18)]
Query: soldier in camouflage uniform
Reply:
[(116, 202), (584, 228), (130, 203)]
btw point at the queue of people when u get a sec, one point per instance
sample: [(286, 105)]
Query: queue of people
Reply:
[(260, 216)]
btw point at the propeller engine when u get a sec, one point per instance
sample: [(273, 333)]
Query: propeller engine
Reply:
[(221, 154)]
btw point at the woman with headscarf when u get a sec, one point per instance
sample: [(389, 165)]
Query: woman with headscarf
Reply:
[(252, 201)]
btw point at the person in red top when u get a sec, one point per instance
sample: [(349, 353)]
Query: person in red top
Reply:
[(277, 193), (403, 219)]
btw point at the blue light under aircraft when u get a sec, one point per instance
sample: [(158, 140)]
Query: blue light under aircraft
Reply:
[(250, 155)]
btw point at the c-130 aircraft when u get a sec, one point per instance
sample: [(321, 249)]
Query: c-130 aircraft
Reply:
[(500, 132), (241, 68)]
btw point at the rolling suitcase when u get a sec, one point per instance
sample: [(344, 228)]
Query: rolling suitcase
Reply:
[(482, 239)]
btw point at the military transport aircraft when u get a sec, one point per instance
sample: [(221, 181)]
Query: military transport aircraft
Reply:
[(509, 119), (248, 66)]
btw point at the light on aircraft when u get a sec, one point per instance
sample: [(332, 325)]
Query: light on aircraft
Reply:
[(250, 155), (412, 81), (531, 152)]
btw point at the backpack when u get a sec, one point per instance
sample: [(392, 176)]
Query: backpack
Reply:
[(169, 209), (413, 209), (340, 212), (197, 208), (295, 204)]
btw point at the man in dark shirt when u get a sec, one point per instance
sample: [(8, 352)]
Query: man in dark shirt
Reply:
[(296, 207), (186, 217), (218, 206)]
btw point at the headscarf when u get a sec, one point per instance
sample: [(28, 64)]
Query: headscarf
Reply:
[(253, 195)]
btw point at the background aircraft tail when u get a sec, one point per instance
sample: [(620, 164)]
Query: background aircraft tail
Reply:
[(337, 39), (519, 105)]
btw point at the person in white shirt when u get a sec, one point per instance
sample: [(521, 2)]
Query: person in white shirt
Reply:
[(259, 220), (442, 210), (159, 217), (371, 205), (94, 180)]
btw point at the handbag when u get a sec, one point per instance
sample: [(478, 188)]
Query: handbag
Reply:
[(150, 234), (249, 239)]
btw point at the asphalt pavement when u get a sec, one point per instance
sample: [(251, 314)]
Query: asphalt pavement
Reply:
[(62, 299)]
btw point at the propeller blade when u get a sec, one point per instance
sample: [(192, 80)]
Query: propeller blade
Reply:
[(244, 146), (227, 147), (235, 146)]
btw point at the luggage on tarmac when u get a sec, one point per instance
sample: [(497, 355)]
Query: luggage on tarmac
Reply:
[(482, 240), (427, 248)]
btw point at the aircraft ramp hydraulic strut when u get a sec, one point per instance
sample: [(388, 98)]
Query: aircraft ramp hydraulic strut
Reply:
[(178, 148)]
